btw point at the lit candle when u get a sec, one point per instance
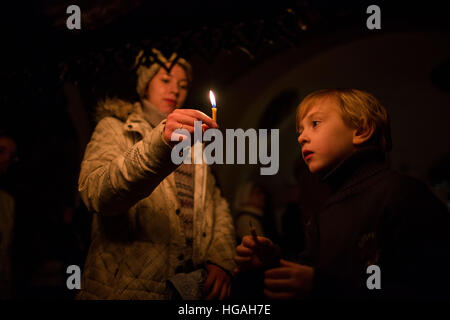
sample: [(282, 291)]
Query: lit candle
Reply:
[(213, 103)]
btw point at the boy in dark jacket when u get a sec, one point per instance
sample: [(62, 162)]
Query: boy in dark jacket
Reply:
[(379, 233)]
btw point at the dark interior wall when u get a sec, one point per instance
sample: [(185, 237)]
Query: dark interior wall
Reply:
[(396, 67)]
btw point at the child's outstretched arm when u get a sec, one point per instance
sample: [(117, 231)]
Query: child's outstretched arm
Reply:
[(288, 281)]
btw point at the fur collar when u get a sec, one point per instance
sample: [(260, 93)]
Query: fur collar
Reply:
[(117, 108)]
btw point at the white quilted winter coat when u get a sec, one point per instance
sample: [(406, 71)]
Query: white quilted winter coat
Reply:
[(127, 181)]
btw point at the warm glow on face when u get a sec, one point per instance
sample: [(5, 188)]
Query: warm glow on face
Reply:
[(212, 98)]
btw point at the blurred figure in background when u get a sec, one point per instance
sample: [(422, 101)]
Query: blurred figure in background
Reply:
[(8, 150)]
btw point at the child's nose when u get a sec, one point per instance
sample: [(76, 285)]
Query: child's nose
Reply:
[(175, 89), (302, 139)]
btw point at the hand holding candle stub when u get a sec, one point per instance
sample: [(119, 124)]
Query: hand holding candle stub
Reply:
[(256, 253), (253, 232), (267, 252)]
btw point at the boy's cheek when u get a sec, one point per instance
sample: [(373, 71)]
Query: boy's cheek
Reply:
[(312, 168), (316, 166)]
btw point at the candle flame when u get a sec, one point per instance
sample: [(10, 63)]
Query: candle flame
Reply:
[(212, 98)]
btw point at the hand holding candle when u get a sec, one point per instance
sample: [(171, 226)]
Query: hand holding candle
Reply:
[(253, 232), (255, 239), (266, 251)]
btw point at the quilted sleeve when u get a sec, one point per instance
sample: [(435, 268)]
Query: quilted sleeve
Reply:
[(113, 178)]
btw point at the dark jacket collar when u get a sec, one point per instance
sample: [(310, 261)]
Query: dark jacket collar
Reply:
[(359, 166)]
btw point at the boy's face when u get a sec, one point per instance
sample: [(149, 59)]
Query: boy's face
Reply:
[(324, 137)]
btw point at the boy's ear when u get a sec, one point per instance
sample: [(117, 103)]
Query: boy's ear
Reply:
[(362, 135)]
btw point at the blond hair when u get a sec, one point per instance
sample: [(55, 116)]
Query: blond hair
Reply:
[(359, 110)]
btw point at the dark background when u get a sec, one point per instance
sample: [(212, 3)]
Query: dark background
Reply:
[(260, 58)]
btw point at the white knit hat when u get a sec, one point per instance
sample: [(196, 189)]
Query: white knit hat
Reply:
[(145, 74)]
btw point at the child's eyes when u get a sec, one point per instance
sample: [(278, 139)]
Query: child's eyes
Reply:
[(182, 85), (315, 123)]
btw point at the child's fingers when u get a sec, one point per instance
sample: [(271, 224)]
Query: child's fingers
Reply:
[(277, 295), (244, 251), (277, 285), (249, 241), (242, 260), (264, 240), (286, 263), (278, 273)]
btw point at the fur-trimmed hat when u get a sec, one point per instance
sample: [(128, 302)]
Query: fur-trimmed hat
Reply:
[(145, 74)]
